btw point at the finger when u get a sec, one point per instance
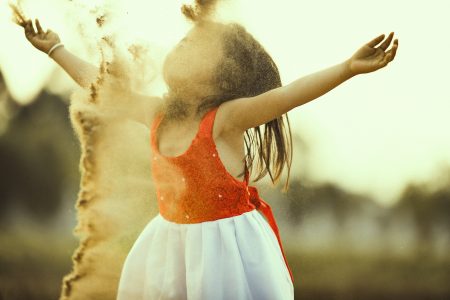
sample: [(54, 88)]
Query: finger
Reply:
[(375, 41), (29, 29), (384, 61), (38, 26), (28, 26), (390, 54), (386, 43), (393, 50)]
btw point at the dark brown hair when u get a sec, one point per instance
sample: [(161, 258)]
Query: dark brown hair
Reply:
[(247, 70)]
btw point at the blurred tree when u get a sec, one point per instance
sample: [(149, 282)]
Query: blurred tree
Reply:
[(307, 198), (38, 158), (440, 201), (427, 208)]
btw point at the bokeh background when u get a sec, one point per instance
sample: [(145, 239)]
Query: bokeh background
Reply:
[(367, 215)]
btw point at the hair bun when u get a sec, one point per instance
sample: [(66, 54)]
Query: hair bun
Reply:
[(200, 10)]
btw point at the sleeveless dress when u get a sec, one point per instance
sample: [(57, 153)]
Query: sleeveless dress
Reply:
[(209, 239)]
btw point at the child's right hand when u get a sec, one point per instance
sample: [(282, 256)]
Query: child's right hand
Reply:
[(43, 41)]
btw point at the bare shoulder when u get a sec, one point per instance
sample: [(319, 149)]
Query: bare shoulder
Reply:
[(150, 107), (223, 125)]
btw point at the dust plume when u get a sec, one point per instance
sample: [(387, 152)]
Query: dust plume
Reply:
[(18, 16), (116, 196)]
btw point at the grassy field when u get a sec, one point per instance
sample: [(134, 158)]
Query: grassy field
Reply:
[(340, 274), (32, 268)]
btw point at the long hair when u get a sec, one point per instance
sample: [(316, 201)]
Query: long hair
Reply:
[(247, 70)]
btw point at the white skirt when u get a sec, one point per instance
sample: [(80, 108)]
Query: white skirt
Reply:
[(231, 258)]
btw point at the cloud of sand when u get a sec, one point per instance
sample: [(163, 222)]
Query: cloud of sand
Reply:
[(116, 196)]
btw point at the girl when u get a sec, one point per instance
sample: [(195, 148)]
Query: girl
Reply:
[(209, 240)]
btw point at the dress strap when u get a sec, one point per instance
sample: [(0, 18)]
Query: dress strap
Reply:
[(207, 122), (205, 126)]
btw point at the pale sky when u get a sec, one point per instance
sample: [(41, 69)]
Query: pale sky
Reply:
[(372, 134)]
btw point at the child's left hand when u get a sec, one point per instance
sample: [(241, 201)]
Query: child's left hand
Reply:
[(368, 58)]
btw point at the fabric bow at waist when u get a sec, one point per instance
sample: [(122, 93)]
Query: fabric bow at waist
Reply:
[(266, 210)]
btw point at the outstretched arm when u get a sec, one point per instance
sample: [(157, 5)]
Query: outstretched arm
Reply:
[(142, 108), (244, 113), (82, 72)]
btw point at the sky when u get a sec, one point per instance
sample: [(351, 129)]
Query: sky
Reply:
[(372, 134)]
